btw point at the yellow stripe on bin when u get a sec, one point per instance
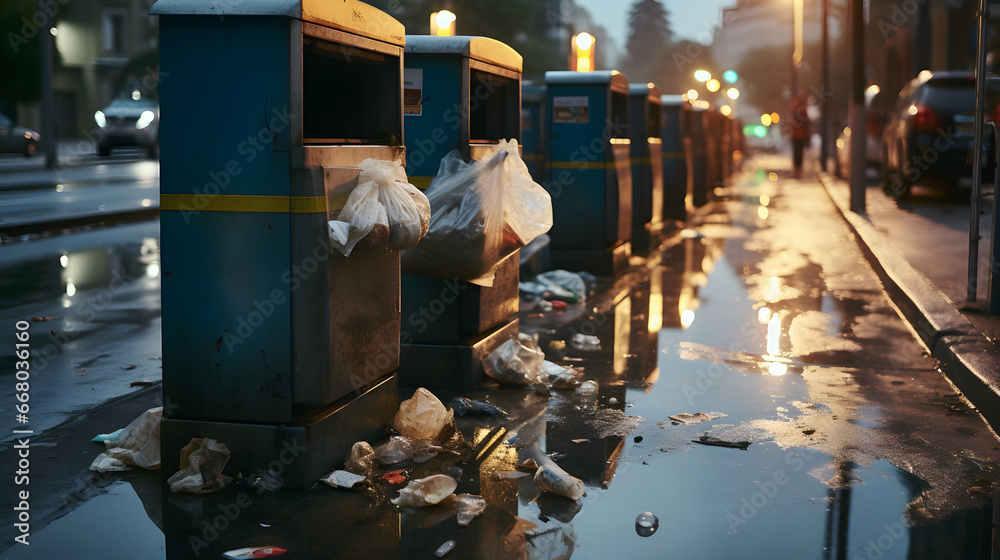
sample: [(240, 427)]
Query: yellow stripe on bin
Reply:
[(243, 203), (420, 182), (581, 164), (640, 160)]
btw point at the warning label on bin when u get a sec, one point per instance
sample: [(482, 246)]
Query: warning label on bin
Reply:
[(571, 109), (413, 85)]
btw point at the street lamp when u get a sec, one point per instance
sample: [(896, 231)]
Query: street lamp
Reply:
[(732, 93), (702, 75), (443, 23), (583, 52), (692, 94), (713, 85), (726, 110)]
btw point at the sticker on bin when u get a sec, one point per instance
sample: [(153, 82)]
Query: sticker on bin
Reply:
[(413, 86), (253, 552), (571, 109)]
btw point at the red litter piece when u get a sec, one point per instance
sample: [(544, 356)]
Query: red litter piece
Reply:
[(395, 477)]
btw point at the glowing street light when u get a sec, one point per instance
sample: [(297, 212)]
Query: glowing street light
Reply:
[(765, 119), (730, 76), (443, 23), (692, 94), (702, 75), (726, 110), (713, 85), (732, 93), (583, 52)]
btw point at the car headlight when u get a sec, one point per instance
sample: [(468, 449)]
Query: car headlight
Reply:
[(100, 119), (144, 119)]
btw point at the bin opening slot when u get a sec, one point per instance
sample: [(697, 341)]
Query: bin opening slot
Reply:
[(494, 107), (349, 95)]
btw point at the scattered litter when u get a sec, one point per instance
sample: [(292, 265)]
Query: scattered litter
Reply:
[(553, 479), (422, 416), (269, 481), (528, 466), (708, 440), (513, 362), (137, 444), (587, 388), (545, 305), (42, 318), (128, 367), (445, 548), (556, 456), (587, 342), (453, 471), (469, 506), (808, 432), (563, 284), (103, 463), (254, 552), (108, 437), (426, 491), (560, 377), (81, 372), (202, 461), (579, 440), (395, 477), (696, 418), (637, 439), (141, 384), (512, 474), (646, 524), (342, 479), (612, 401), (559, 306), (463, 406), (361, 459), (399, 448)]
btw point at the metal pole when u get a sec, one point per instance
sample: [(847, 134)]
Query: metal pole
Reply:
[(977, 155), (48, 142), (857, 107), (993, 293), (825, 85)]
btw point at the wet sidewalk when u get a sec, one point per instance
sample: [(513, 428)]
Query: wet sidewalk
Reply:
[(920, 251)]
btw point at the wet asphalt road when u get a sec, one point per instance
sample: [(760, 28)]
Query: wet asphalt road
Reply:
[(764, 311)]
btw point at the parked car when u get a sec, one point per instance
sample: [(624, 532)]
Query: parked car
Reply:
[(875, 117), (131, 119), (16, 139), (929, 133)]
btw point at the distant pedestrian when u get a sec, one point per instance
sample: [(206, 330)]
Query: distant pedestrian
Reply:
[(798, 122)]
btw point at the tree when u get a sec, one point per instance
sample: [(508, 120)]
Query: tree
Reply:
[(648, 42), (20, 55)]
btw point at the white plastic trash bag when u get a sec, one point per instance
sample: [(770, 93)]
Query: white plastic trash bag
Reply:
[(382, 197), (479, 212), (515, 363), (137, 444)]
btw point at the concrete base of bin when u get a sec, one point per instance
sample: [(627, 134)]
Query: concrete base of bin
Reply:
[(450, 367), (300, 453), (607, 262)]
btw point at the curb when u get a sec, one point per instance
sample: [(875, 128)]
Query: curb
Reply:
[(102, 218), (965, 355)]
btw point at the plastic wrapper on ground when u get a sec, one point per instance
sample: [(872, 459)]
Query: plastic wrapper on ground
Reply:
[(426, 491), (515, 363), (361, 459), (422, 416)]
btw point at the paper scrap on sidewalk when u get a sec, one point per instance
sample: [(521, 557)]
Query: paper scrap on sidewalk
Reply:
[(697, 418)]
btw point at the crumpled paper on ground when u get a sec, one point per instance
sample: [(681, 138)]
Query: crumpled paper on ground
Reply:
[(138, 445), (202, 461)]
